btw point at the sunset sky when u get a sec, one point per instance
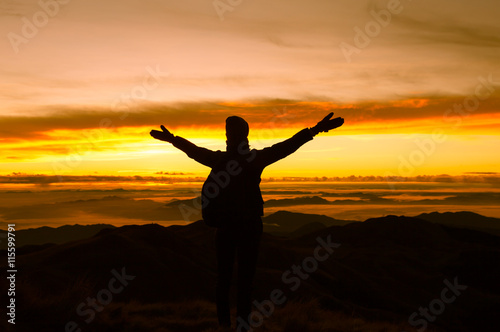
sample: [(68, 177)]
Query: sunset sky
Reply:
[(82, 86)]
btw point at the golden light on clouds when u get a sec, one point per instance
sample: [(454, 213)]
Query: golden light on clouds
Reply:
[(85, 90)]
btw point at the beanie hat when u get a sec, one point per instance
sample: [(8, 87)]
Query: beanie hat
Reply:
[(236, 129)]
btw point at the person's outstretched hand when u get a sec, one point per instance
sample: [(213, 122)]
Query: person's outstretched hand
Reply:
[(163, 135), (326, 124)]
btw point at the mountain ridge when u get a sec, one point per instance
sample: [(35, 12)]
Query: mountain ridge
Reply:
[(384, 268), (281, 223)]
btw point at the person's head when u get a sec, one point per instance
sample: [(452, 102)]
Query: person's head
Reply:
[(236, 131)]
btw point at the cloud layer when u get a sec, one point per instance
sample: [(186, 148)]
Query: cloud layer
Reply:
[(401, 116)]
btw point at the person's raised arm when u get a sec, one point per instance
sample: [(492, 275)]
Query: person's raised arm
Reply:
[(326, 124), (281, 150), (202, 155)]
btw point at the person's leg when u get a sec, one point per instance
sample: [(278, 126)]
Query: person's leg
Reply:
[(247, 251), (225, 251)]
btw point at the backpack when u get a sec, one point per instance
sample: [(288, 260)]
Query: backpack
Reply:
[(224, 195)]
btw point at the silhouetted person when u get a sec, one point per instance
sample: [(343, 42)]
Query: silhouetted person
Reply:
[(232, 202)]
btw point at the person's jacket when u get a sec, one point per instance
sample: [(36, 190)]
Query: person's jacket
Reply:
[(236, 174)]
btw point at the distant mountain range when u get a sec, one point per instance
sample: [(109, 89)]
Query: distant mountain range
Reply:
[(287, 223), (63, 234), (282, 223), (464, 219), (384, 269)]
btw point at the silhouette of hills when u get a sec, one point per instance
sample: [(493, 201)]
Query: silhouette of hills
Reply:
[(281, 223), (63, 234), (385, 269), (306, 229), (285, 222), (464, 219)]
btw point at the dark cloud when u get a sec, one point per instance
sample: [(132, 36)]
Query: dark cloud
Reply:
[(399, 181), (48, 179), (260, 114), (482, 173)]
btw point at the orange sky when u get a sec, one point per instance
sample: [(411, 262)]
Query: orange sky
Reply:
[(80, 93)]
